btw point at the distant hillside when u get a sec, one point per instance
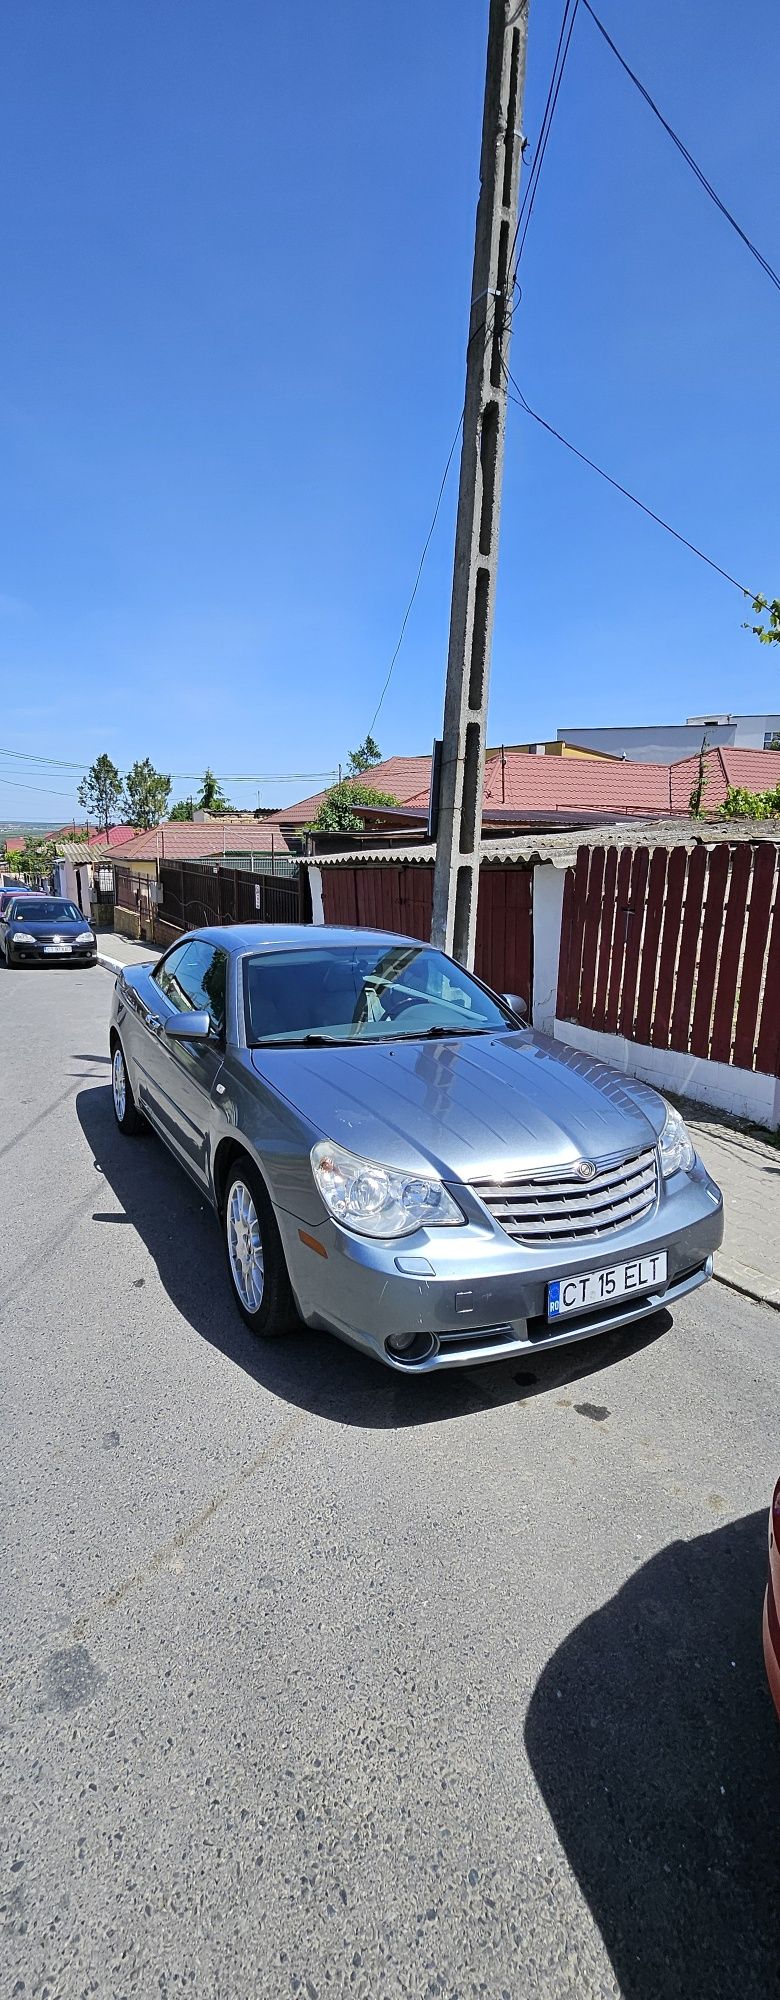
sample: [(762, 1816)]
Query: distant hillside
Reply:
[(10, 827)]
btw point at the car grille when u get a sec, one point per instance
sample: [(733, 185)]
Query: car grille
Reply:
[(562, 1207)]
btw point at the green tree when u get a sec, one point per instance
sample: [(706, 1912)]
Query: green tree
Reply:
[(147, 793), (182, 810), (741, 804), (212, 798), (700, 784), (337, 812), (100, 792), (769, 634), (35, 859), (363, 758)]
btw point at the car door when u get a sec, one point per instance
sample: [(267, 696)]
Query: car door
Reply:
[(185, 1073), (151, 1001)]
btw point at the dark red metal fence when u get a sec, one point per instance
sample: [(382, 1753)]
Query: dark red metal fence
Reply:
[(677, 948), (196, 893), (399, 897)]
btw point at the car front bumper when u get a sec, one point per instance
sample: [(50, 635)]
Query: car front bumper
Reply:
[(35, 954), (472, 1294)]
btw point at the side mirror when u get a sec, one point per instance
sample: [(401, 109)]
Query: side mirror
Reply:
[(517, 1005), (188, 1028)]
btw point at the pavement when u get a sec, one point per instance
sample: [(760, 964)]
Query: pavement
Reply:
[(114, 951), (319, 1682), (746, 1166)]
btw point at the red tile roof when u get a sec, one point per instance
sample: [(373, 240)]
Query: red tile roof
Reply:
[(190, 840), (562, 784), (402, 776), (754, 770)]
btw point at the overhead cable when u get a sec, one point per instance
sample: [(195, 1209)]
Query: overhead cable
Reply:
[(683, 149), (523, 404)]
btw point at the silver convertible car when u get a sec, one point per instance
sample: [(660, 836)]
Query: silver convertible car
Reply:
[(394, 1155)]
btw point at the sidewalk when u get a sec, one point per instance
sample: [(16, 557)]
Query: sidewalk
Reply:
[(747, 1168), (114, 951)]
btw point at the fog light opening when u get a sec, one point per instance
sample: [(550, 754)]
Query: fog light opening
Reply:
[(410, 1347)]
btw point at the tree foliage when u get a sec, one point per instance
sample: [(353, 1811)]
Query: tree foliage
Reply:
[(147, 792), (364, 757), (212, 798), (100, 792), (182, 810), (337, 812), (769, 634), (742, 804), (36, 858)]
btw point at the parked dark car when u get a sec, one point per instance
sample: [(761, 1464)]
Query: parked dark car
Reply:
[(46, 930), (394, 1154), (11, 891)]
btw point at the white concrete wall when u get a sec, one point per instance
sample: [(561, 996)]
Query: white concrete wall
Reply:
[(744, 1092), (315, 885), (548, 886)]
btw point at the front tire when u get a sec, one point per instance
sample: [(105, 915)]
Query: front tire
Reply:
[(255, 1258), (126, 1112)]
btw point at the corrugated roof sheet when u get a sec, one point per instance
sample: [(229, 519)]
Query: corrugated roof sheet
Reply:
[(561, 848)]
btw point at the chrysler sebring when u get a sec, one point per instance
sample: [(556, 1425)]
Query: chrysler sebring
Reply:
[(392, 1153)]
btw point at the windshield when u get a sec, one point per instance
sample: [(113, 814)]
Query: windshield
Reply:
[(363, 993), (46, 910)]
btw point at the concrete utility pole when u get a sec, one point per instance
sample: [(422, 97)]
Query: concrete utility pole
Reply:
[(456, 876)]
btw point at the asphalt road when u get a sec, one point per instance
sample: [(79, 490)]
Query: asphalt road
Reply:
[(320, 1682)]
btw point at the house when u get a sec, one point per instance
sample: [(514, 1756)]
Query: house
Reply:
[(725, 766), (190, 840), (138, 864), (668, 742), (401, 776)]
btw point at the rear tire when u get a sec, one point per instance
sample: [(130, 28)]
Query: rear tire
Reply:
[(255, 1258), (126, 1112)]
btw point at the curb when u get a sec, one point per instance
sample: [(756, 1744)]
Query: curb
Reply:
[(751, 1284), (111, 964)]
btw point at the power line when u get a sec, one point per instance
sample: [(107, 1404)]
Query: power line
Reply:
[(46, 791), (435, 516), (230, 777), (420, 566), (681, 148), (520, 399), (529, 197)]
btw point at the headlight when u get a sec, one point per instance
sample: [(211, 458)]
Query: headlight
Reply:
[(84, 937), (23, 937), (377, 1201), (675, 1145)]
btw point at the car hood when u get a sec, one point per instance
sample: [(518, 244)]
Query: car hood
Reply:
[(61, 927), (487, 1106)]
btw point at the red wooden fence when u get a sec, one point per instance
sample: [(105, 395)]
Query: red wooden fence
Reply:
[(677, 948), (398, 897)]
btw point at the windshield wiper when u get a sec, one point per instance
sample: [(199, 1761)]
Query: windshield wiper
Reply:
[(439, 1032), (310, 1041)]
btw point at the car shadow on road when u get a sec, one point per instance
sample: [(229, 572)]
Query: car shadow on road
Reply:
[(656, 1748), (312, 1370)]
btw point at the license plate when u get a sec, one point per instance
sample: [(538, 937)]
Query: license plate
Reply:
[(601, 1288), (56, 949)]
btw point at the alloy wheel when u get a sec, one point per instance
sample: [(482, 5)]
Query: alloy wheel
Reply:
[(245, 1247), (119, 1084)]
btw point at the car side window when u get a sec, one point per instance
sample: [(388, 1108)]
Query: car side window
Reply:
[(167, 975), (204, 979)]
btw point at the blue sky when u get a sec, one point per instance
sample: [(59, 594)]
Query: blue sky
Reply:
[(236, 247)]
